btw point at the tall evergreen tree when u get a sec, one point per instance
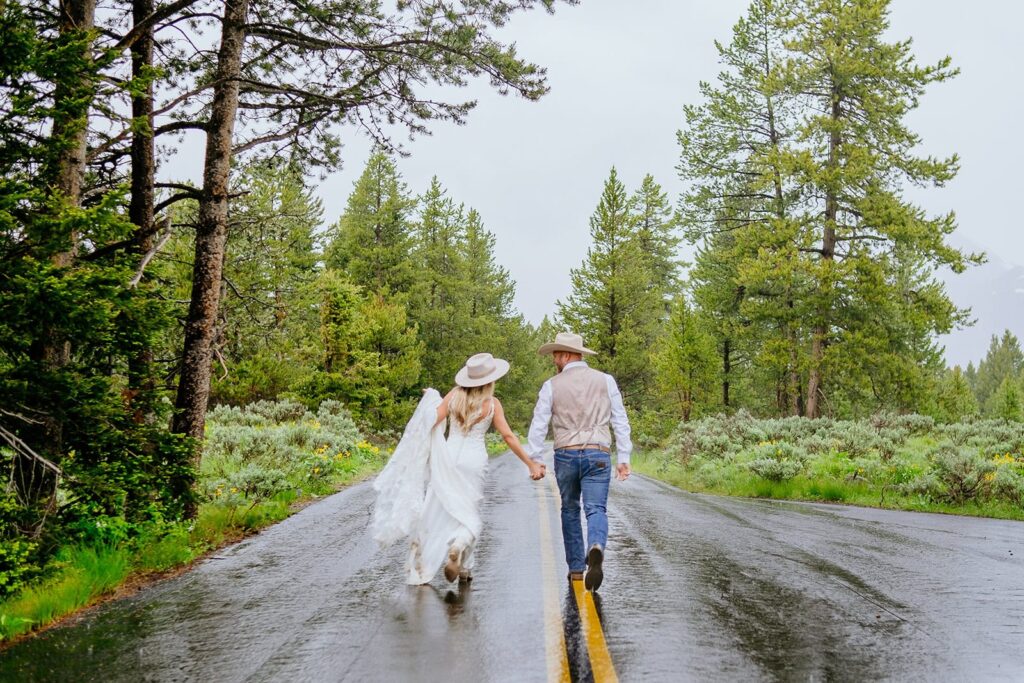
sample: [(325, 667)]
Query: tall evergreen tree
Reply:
[(613, 303), (739, 205), (857, 153), (1006, 403), (441, 299), (489, 287), (656, 233), (686, 363), (1003, 359), (372, 240), (371, 357), (955, 400)]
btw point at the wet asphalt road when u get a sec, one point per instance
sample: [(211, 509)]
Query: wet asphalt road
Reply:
[(696, 588)]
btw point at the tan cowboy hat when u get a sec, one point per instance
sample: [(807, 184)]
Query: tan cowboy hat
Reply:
[(566, 341), (481, 369)]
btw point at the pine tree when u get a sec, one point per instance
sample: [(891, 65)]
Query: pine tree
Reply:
[(489, 287), (955, 400), (1003, 359), (267, 316), (1006, 403), (856, 156), (371, 356), (686, 365), (739, 206), (656, 233), (372, 240), (441, 298), (613, 302), (717, 295)]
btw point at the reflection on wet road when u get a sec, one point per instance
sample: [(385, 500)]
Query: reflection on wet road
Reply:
[(696, 588)]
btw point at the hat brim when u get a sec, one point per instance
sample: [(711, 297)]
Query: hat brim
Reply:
[(548, 349), (463, 379)]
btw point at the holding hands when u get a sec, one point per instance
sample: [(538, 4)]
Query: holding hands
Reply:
[(537, 469)]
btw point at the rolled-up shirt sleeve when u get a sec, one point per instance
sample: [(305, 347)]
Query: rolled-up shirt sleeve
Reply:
[(539, 425), (620, 423)]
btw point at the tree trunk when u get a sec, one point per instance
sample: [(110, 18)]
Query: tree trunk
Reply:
[(143, 157), (51, 348), (793, 388), (211, 229), (726, 370), (819, 340), (70, 127), (71, 119)]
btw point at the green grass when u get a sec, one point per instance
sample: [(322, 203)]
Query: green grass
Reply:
[(81, 576), (826, 481)]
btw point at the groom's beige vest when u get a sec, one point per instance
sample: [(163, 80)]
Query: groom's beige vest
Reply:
[(580, 407)]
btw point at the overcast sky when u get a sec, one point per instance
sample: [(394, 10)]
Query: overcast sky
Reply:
[(620, 73)]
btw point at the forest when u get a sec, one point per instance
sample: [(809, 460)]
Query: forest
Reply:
[(182, 361)]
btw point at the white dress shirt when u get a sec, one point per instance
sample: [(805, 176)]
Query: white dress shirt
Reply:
[(542, 419)]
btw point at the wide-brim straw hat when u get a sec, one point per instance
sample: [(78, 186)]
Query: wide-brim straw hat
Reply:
[(566, 341), (481, 369)]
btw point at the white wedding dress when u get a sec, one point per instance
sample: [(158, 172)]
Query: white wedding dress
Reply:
[(430, 491)]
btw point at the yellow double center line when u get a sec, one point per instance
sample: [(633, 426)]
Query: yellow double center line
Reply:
[(554, 628)]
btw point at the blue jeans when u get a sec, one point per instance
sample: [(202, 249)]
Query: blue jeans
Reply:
[(586, 474)]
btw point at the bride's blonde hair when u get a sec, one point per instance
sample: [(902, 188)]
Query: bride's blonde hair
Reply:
[(467, 403)]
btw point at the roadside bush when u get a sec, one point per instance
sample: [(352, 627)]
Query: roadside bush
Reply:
[(774, 470), (256, 452), (888, 459), (775, 461), (855, 438), (682, 445), (1008, 484), (17, 565), (961, 474)]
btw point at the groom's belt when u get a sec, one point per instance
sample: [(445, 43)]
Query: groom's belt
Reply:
[(584, 447)]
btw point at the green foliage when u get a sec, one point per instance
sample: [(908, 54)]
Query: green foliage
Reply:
[(1003, 360), (17, 564), (903, 461), (255, 453), (686, 362), (268, 326), (775, 461), (371, 353), (959, 474), (619, 293), (1006, 402), (372, 241), (955, 401), (816, 273)]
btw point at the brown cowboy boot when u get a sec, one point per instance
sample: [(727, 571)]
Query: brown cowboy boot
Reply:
[(453, 566)]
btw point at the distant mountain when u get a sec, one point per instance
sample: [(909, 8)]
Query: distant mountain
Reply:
[(995, 294)]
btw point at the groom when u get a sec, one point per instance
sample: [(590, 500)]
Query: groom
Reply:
[(583, 406)]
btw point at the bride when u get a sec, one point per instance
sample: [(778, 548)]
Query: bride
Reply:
[(431, 488)]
